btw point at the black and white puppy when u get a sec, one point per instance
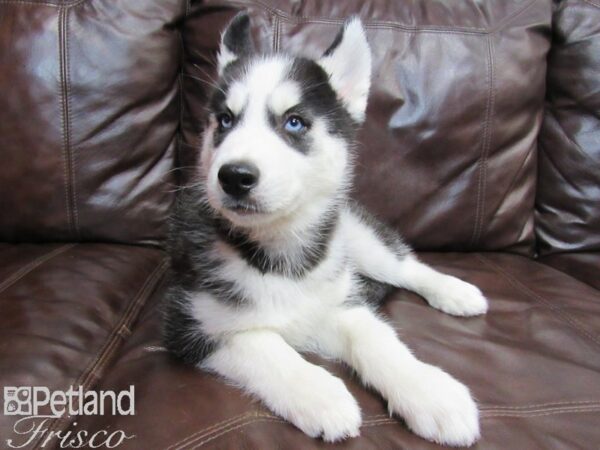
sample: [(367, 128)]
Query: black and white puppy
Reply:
[(270, 258)]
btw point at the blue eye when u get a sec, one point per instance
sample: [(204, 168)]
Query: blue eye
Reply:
[(294, 124), (225, 121)]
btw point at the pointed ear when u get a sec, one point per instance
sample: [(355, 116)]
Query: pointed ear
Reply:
[(236, 41), (348, 63)]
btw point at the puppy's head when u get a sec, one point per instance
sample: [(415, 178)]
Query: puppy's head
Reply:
[(280, 127)]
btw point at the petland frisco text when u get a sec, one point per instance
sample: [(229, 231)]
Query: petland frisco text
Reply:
[(41, 407)]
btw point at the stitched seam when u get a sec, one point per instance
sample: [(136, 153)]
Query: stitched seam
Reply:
[(55, 5), (230, 429), (129, 315), (493, 412), (539, 405), (545, 413), (391, 25), (212, 429), (382, 422), (69, 128), (32, 265), (206, 432), (393, 421), (590, 2), (485, 147), (178, 175), (64, 113), (275, 33), (490, 133), (575, 324)]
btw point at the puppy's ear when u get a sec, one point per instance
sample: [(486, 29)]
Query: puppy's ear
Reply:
[(348, 63), (236, 41)]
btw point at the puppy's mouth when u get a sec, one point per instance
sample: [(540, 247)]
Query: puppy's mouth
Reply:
[(242, 207)]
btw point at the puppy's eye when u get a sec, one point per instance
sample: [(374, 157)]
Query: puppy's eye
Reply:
[(225, 121), (294, 124)]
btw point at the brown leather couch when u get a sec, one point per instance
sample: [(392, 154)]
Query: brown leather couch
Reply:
[(482, 146)]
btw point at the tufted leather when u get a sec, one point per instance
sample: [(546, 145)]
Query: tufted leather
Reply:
[(88, 120), (484, 116), (568, 197)]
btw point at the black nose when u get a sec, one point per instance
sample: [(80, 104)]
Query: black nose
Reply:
[(238, 179)]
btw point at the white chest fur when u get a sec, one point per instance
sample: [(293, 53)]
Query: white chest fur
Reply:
[(292, 307)]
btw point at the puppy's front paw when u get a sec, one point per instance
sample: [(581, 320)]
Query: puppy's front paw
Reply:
[(438, 408), (320, 405), (456, 297)]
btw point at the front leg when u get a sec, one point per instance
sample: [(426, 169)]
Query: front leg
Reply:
[(378, 253), (433, 404), (308, 396)]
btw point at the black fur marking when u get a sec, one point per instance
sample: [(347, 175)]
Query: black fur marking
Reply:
[(336, 41), (390, 237), (218, 98), (301, 141), (237, 37), (182, 334), (374, 292), (192, 236), (258, 257), (320, 100)]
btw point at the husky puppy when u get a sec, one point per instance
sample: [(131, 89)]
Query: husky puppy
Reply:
[(270, 258)]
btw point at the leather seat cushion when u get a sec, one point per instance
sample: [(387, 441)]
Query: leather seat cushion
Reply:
[(532, 363), (66, 310)]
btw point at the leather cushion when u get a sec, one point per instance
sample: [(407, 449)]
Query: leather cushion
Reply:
[(65, 311), (568, 197), (88, 119), (531, 362)]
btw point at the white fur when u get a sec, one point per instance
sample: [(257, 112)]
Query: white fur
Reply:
[(443, 292), (349, 69), (224, 57), (308, 396)]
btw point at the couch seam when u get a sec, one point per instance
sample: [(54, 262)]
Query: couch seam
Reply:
[(106, 351), (493, 412), (517, 409), (512, 182), (64, 115), (574, 323), (275, 30), (590, 2), (383, 421), (374, 421), (539, 405), (540, 413), (71, 148), (202, 433), (486, 144), (389, 25), (214, 428), (65, 5), (178, 175), (32, 265)]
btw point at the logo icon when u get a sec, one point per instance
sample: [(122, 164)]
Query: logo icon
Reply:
[(17, 401)]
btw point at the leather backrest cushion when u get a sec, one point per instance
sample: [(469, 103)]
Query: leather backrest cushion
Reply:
[(568, 199), (448, 152), (89, 110)]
